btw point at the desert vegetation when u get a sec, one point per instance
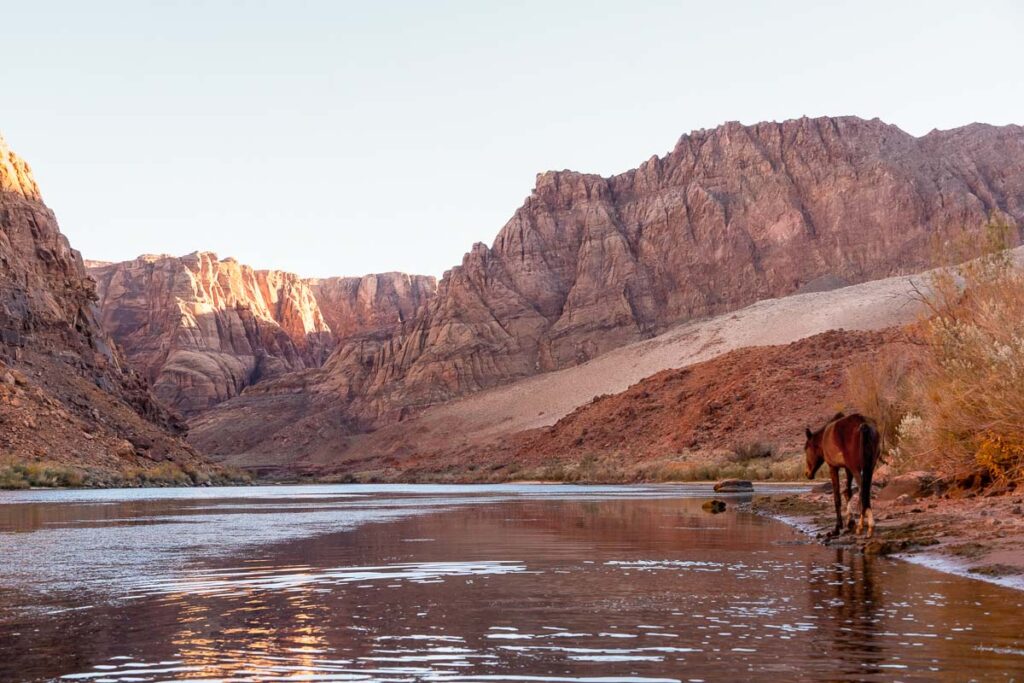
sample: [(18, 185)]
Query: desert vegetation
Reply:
[(51, 475), (614, 468), (951, 399)]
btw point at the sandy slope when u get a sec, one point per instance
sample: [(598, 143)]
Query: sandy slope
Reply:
[(541, 400)]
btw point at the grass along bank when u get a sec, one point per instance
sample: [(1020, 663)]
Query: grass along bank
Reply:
[(49, 475)]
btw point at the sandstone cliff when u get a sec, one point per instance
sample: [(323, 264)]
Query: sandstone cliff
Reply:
[(65, 393), (729, 216), (201, 329), (295, 424)]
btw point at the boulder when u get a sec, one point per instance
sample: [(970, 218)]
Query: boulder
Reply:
[(909, 487), (714, 506), (124, 449), (734, 486)]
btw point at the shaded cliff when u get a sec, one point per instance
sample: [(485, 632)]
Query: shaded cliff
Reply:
[(66, 394)]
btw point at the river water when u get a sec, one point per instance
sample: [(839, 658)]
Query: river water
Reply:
[(468, 583)]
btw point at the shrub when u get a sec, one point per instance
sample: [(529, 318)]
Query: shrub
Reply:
[(966, 400), (754, 450), (882, 389), (27, 475)]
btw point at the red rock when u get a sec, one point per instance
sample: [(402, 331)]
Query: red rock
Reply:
[(201, 329), (730, 216), (49, 329)]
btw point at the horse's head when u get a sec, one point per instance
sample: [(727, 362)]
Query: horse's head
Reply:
[(812, 453)]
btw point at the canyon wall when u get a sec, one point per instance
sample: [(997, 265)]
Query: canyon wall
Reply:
[(201, 329), (66, 393), (730, 216)]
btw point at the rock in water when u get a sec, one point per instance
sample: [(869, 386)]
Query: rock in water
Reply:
[(713, 506), (734, 486)]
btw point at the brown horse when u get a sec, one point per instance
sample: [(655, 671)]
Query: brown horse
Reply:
[(851, 443)]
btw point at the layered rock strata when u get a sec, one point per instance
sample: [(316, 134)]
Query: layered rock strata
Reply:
[(729, 216), (66, 393), (201, 329)]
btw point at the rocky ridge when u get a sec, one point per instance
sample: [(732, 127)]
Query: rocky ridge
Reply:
[(66, 394), (728, 217), (290, 425)]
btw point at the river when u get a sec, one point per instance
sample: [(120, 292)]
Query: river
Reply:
[(625, 584)]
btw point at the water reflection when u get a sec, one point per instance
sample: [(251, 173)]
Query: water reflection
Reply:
[(580, 587)]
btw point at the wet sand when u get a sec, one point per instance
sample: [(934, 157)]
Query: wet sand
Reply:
[(980, 537)]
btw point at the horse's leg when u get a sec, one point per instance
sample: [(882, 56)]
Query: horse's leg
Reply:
[(837, 496), (860, 490), (871, 450), (849, 497)]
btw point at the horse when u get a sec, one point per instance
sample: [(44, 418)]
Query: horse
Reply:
[(851, 443)]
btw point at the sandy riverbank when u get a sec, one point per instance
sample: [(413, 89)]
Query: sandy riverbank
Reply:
[(968, 534)]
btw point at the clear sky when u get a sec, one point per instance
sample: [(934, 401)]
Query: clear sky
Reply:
[(340, 138)]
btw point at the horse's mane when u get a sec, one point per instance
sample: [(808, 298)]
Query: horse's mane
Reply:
[(818, 432)]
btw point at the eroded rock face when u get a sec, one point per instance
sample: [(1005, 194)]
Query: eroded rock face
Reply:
[(728, 217), (201, 329), (67, 368), (372, 305), (43, 289)]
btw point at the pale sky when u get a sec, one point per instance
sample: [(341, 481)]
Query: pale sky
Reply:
[(341, 138)]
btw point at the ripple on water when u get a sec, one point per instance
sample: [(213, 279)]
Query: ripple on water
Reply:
[(555, 586), (233, 582)]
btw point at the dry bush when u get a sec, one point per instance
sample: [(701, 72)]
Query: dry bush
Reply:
[(883, 389), (39, 475), (753, 450), (966, 405)]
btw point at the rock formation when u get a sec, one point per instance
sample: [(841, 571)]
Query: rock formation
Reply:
[(201, 329), (373, 305), (729, 216), (763, 395), (65, 393), (296, 424)]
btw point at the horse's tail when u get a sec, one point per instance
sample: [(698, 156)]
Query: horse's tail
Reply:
[(871, 450)]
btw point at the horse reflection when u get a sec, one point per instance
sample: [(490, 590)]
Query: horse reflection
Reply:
[(856, 605)]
